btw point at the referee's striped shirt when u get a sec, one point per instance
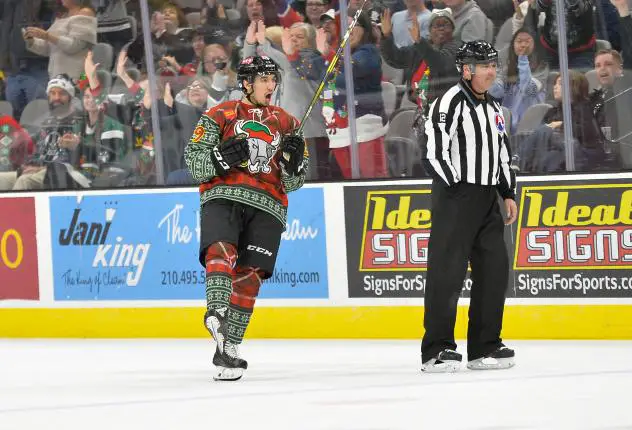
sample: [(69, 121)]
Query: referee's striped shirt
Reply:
[(466, 141)]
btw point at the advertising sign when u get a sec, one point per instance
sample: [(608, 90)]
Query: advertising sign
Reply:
[(387, 240), (145, 247), (18, 249), (301, 267), (574, 240)]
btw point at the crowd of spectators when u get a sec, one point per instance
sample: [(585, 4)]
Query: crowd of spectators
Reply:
[(78, 106)]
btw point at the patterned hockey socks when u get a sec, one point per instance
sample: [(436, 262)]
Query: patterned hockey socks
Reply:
[(227, 288), (246, 284), (220, 269)]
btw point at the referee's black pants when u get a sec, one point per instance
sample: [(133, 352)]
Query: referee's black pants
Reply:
[(466, 226)]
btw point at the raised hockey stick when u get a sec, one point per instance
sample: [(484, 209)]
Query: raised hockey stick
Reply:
[(330, 69), (328, 72)]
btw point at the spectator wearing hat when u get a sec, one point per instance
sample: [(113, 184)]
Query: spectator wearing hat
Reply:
[(57, 153), (434, 58), (402, 22), (327, 36)]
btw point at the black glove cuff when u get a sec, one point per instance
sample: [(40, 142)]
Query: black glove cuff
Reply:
[(218, 162)]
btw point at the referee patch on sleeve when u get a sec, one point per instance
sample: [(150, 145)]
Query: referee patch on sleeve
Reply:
[(442, 117)]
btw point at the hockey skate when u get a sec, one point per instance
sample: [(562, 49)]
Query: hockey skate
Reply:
[(502, 358), (216, 326), (447, 361), (230, 367)]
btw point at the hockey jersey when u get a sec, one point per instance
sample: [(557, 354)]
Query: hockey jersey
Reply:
[(258, 182), (15, 144), (51, 132)]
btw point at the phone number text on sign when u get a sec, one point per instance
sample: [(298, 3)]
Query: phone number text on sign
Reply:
[(182, 277)]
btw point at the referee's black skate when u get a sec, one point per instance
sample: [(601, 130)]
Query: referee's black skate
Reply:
[(230, 367), (215, 323), (501, 358), (446, 361)]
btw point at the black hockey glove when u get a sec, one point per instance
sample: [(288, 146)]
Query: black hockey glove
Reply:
[(293, 148), (229, 153)]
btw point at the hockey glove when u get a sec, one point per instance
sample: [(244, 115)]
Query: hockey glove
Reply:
[(293, 147), (232, 152)]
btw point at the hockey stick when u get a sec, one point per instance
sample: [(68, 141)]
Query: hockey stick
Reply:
[(330, 69), (328, 72)]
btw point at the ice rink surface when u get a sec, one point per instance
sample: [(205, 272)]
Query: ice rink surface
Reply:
[(333, 385)]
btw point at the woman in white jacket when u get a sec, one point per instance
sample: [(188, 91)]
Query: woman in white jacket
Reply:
[(68, 39)]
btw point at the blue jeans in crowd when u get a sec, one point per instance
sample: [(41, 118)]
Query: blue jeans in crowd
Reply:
[(24, 87)]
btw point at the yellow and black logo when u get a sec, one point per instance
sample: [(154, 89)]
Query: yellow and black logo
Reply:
[(573, 227), (396, 230)]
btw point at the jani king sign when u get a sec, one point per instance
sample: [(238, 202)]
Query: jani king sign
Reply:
[(145, 247)]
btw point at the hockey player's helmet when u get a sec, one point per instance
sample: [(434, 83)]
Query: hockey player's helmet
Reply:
[(251, 67), (475, 52)]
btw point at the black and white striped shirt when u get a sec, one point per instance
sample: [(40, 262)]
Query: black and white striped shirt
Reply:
[(467, 141)]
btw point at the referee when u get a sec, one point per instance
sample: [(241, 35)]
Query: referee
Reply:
[(467, 154)]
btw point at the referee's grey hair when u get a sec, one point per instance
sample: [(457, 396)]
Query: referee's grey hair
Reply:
[(310, 32)]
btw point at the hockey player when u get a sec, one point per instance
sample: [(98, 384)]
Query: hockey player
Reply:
[(467, 154), (246, 156)]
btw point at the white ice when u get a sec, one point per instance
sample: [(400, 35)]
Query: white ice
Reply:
[(308, 384)]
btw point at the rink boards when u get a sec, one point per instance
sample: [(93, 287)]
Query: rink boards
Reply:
[(352, 263)]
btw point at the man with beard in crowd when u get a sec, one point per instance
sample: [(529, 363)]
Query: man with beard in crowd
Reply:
[(57, 154)]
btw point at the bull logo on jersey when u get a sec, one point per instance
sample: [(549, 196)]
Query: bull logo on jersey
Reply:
[(262, 143)]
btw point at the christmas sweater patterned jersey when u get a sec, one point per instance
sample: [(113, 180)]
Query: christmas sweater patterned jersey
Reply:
[(132, 112), (15, 144), (259, 182)]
